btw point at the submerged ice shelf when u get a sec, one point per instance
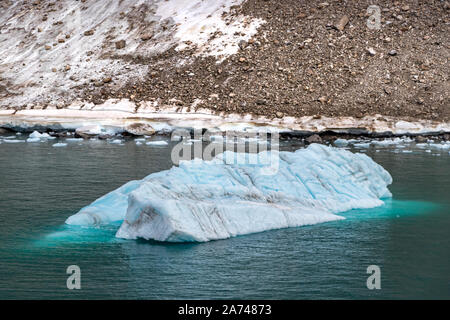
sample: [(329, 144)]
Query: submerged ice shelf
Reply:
[(208, 200)]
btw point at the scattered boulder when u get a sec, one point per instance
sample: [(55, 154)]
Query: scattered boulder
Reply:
[(392, 53), (421, 139), (147, 37), (315, 138), (371, 51), (4, 131), (323, 5), (89, 33), (140, 129), (322, 99), (87, 132), (342, 23), (120, 44)]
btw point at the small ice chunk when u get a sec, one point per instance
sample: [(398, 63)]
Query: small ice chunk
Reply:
[(362, 145), (74, 139), (33, 140), (13, 141), (440, 145), (116, 141), (340, 142), (157, 143), (59, 145), (39, 135)]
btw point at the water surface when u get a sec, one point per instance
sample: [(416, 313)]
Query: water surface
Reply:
[(40, 186)]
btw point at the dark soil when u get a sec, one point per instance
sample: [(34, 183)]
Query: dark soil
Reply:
[(300, 64)]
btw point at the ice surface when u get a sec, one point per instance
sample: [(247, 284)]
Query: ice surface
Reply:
[(109, 208), (362, 145), (59, 145), (33, 140), (208, 200), (38, 135), (157, 143), (341, 142), (74, 139)]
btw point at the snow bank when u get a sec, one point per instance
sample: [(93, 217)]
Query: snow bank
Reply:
[(49, 57), (208, 200)]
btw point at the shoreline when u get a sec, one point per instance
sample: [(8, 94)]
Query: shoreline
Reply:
[(122, 117)]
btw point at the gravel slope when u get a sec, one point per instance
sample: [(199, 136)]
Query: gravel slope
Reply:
[(283, 58)]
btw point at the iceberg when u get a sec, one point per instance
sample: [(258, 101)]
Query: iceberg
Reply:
[(38, 135), (221, 198), (59, 145)]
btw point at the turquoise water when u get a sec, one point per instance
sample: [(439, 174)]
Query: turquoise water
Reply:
[(40, 186)]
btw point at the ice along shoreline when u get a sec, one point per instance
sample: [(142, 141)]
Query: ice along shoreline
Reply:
[(122, 117)]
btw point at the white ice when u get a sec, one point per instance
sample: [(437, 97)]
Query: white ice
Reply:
[(38, 135), (208, 200), (157, 143), (59, 145), (341, 142)]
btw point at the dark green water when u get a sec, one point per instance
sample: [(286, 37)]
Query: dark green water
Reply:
[(40, 186)]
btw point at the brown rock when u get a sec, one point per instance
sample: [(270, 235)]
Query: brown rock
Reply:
[(89, 32), (315, 138), (140, 129), (120, 44), (421, 139), (146, 37), (322, 99), (340, 25)]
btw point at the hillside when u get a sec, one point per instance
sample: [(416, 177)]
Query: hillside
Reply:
[(269, 58)]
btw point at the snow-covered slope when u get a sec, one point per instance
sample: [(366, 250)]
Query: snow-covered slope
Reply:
[(218, 199), (51, 51)]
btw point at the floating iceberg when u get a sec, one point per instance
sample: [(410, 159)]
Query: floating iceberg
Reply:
[(341, 142), (59, 145), (38, 135), (12, 140), (217, 199)]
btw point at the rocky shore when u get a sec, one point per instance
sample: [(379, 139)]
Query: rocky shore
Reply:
[(298, 66)]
